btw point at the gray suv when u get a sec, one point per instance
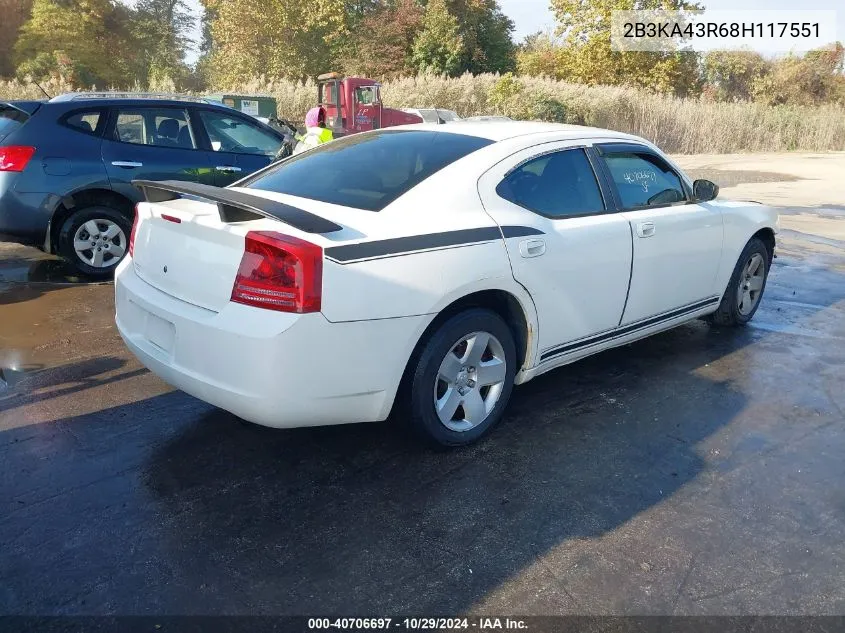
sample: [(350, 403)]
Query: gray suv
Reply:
[(66, 165)]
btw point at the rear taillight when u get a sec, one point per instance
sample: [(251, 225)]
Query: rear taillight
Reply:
[(132, 234), (279, 272), (15, 157)]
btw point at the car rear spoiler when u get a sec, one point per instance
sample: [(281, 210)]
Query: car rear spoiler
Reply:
[(236, 206), (27, 107)]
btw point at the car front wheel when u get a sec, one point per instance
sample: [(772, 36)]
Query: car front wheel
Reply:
[(742, 298), (463, 379), (95, 240)]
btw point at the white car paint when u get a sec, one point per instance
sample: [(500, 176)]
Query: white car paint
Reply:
[(584, 284)]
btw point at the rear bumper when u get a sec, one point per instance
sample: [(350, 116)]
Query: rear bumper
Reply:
[(271, 368), (24, 217)]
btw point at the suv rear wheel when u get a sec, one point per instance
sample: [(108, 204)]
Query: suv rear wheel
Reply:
[(95, 240)]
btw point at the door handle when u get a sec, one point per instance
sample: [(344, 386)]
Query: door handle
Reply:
[(228, 168), (532, 248), (645, 229), (126, 164)]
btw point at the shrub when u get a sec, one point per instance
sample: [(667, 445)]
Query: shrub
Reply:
[(684, 126)]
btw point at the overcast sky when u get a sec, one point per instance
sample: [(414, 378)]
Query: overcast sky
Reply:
[(531, 16)]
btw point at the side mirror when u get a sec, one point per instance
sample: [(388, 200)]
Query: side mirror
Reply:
[(704, 190)]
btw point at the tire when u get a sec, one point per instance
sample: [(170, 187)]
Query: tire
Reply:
[(112, 242), (429, 392), (733, 310)]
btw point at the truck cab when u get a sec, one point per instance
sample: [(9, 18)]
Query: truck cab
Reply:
[(353, 104)]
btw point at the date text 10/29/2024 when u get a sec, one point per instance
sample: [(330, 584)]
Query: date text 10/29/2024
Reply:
[(418, 624)]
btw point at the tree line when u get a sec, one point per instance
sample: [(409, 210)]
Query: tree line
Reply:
[(579, 51), (100, 42), (110, 44)]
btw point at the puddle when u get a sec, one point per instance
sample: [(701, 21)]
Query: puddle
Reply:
[(731, 177), (10, 376), (52, 271), (824, 211), (829, 210), (793, 330)]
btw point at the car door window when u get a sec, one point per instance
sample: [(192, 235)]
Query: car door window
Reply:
[(644, 180), (162, 127), (557, 185), (234, 134)]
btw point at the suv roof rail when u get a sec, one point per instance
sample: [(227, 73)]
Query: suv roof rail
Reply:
[(79, 96)]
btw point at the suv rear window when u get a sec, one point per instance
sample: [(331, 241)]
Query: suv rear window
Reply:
[(11, 119), (366, 171)]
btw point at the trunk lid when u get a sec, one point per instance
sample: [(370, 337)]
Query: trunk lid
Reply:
[(194, 259), (184, 249)]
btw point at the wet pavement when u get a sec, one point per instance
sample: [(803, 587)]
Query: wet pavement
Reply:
[(698, 471)]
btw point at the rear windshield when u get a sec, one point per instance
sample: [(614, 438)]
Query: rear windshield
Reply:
[(366, 171), (10, 120)]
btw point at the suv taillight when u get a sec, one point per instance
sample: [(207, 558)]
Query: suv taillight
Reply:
[(15, 157), (279, 272), (132, 234)]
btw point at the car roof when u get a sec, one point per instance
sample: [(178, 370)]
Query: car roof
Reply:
[(105, 98), (502, 130)]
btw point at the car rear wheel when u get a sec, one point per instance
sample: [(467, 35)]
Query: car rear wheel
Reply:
[(742, 298), (95, 240), (463, 379)]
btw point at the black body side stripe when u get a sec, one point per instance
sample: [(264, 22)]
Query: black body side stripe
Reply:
[(520, 231), (628, 329), (402, 245)]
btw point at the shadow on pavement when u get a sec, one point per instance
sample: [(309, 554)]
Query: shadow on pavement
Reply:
[(33, 383), (171, 506), (168, 505)]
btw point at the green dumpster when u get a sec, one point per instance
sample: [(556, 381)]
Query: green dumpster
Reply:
[(263, 106)]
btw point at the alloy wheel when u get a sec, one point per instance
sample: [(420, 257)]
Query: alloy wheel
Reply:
[(751, 284), (470, 381), (100, 243)]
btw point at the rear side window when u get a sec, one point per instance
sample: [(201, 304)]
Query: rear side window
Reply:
[(10, 120), (163, 127), (84, 121), (644, 180), (366, 171), (557, 185)]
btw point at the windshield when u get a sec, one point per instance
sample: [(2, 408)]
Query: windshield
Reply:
[(366, 171), (448, 115)]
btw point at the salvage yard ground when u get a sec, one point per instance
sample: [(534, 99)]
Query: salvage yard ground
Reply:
[(699, 471)]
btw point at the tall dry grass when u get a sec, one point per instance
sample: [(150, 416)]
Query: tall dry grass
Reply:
[(684, 126)]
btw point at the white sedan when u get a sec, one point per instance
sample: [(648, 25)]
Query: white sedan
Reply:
[(427, 269)]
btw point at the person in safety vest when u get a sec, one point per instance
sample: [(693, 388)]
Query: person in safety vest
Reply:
[(316, 131)]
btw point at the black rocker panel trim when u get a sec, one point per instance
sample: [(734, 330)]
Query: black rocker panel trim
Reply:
[(628, 329)]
